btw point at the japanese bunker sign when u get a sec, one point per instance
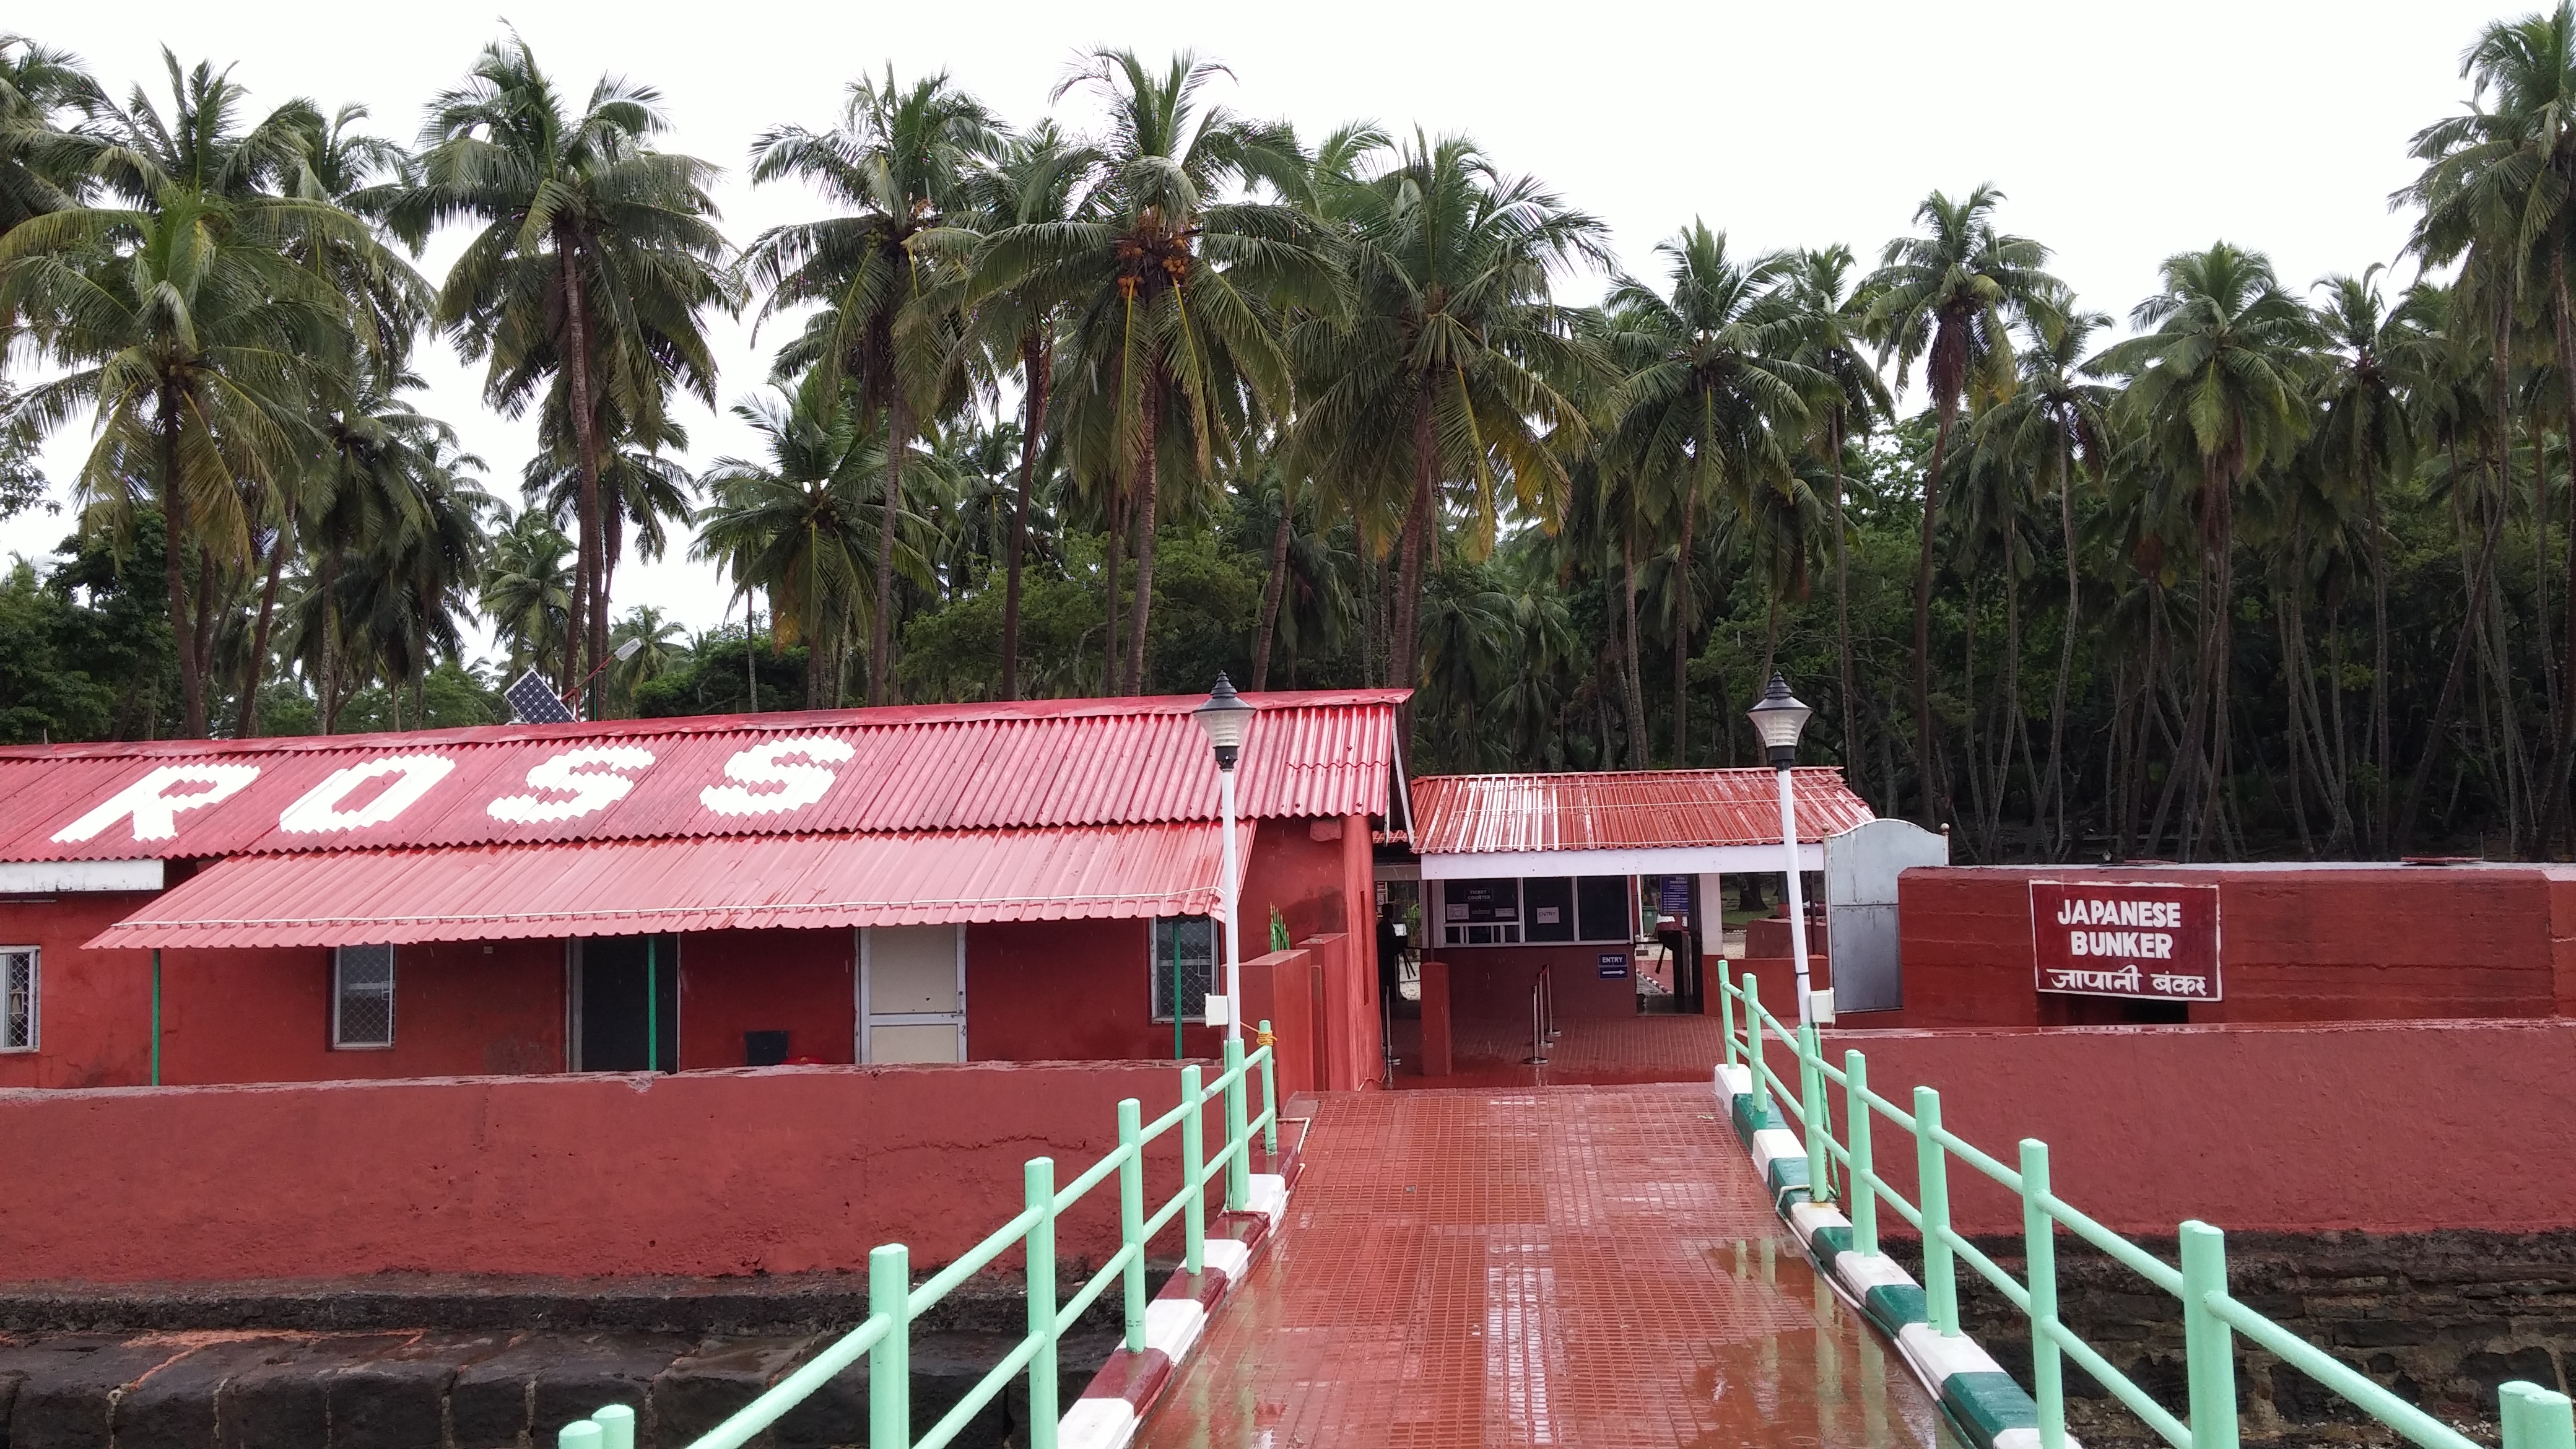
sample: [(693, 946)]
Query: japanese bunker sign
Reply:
[(2147, 942)]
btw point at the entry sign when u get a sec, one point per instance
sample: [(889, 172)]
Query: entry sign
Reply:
[(1614, 965), (2151, 942)]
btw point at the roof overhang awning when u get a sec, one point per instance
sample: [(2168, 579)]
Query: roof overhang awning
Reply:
[(636, 887), (1661, 860)]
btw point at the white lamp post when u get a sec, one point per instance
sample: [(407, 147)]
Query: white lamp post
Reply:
[(1778, 719), (1225, 717)]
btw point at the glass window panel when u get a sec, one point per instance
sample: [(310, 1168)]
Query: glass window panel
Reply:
[(18, 999), (1601, 908), (1549, 900), (362, 1012), (1184, 948)]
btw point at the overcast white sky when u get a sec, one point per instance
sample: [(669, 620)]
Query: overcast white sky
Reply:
[(2120, 132)]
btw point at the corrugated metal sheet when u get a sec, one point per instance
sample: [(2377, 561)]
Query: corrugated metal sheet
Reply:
[(630, 887), (1624, 810), (916, 768)]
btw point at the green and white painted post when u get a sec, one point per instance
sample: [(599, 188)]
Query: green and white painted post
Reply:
[(1269, 1092), (1238, 1136), (1193, 1170), (1813, 1115), (1726, 1009), (1038, 1186), (616, 1427), (1932, 1170), (2535, 1418), (890, 1361), (1131, 1216), (1753, 1051), (1863, 1207), (2208, 1344), (2039, 1257)]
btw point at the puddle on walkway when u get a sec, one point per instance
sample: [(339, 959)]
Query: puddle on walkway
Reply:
[(1831, 1384)]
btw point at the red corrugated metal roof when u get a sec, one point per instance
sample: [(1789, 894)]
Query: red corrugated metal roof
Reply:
[(1624, 810), (912, 768), (630, 887)]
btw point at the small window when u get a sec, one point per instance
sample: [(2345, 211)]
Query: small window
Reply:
[(1184, 965), (1601, 903), (17, 998), (362, 997)]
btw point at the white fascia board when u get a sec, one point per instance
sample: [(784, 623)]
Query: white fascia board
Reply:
[(1668, 860), (56, 877)]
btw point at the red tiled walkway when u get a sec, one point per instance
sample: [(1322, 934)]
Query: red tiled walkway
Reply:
[(1570, 1266)]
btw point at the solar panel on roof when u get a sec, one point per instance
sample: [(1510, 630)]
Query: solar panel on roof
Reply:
[(534, 701)]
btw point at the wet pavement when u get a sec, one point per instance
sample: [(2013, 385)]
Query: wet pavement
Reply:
[(1568, 1266)]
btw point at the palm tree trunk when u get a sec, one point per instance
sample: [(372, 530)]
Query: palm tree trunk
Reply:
[(1034, 380), (329, 686), (246, 721), (1949, 414), (1273, 589), (591, 581), (2379, 753), (1404, 641), (174, 572), (1842, 603), (2479, 572), (201, 639), (2054, 792), (1682, 632), (1148, 491), (2562, 754), (1633, 687), (1115, 555), (881, 629)]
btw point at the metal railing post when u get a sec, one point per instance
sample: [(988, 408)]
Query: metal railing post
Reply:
[(1813, 1116), (1863, 1206), (1038, 1191), (2039, 1256), (1726, 1008), (1238, 1132), (1269, 1092), (579, 1434), (890, 1362), (1131, 1211), (2208, 1344), (1193, 1173), (1753, 1050), (2535, 1417), (616, 1427), (1932, 1169)]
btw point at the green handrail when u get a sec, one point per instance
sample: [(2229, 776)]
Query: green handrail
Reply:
[(884, 1337), (2533, 1417)]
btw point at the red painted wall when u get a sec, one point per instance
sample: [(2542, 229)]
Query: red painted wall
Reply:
[(1492, 983), (1280, 987), (779, 1170), (1059, 991), (2379, 1127), (2297, 944), (799, 982), (265, 1015)]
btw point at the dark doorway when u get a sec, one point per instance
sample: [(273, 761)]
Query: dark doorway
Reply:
[(629, 994)]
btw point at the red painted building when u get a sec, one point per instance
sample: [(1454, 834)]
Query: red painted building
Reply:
[(1019, 882)]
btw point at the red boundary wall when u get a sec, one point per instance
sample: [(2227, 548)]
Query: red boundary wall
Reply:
[(773, 1170), (2377, 1127)]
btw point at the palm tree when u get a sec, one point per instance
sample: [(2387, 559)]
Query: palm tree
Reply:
[(1173, 292), (44, 163), (586, 286), (1710, 399), (2053, 420), (187, 323), (1453, 364), (526, 591), (660, 643), (1041, 178), (1830, 312), (903, 160), (2219, 385), (1947, 297), (799, 523)]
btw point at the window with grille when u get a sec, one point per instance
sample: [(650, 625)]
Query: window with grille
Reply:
[(17, 998), (362, 996), (1184, 957)]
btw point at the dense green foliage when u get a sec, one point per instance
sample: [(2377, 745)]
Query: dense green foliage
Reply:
[(2263, 568)]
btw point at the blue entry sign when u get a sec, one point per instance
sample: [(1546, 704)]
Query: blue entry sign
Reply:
[(1614, 965)]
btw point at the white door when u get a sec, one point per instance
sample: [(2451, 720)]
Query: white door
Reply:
[(912, 994)]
